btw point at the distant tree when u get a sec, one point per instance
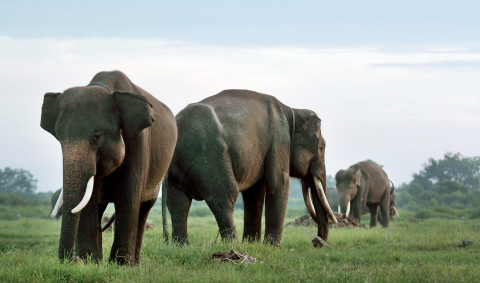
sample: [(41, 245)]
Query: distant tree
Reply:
[(18, 181), (331, 181), (453, 167)]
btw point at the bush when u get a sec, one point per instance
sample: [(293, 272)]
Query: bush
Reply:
[(200, 211), (16, 200), (424, 213)]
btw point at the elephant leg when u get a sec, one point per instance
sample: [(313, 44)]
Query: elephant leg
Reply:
[(275, 207), (142, 219), (88, 241), (127, 207), (356, 207), (222, 209), (178, 204), (220, 191), (385, 208), (253, 200), (380, 217), (373, 214), (101, 210)]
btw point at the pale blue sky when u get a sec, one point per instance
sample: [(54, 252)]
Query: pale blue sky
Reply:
[(393, 81), (257, 23)]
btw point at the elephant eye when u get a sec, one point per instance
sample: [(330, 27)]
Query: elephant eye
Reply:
[(96, 137)]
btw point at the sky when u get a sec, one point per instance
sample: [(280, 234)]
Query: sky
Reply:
[(397, 82)]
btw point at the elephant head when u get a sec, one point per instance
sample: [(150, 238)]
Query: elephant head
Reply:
[(348, 184), (93, 127), (308, 164)]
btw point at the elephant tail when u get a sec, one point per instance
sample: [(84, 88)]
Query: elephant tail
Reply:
[(109, 223), (164, 209), (393, 186)]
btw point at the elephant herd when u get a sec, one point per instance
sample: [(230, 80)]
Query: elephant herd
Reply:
[(119, 142)]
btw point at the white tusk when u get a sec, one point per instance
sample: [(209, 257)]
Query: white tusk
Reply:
[(338, 209), (59, 203), (323, 199), (308, 201), (86, 197), (396, 211), (348, 210)]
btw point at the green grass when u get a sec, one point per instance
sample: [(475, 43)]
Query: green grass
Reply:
[(409, 251)]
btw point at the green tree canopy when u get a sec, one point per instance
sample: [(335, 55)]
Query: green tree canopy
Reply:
[(453, 167), (18, 181)]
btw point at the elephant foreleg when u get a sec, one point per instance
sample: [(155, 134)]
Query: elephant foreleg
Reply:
[(275, 208), (142, 219), (253, 200), (89, 235), (127, 207)]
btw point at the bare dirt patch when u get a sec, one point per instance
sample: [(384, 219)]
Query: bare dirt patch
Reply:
[(234, 257), (343, 222)]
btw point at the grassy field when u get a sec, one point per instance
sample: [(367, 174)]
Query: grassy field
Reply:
[(409, 251)]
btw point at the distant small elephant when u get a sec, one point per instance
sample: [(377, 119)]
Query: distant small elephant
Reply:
[(117, 143), (365, 184), (240, 141)]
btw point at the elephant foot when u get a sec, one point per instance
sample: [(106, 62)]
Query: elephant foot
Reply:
[(317, 243), (123, 260), (272, 242), (180, 241), (229, 234), (77, 260)]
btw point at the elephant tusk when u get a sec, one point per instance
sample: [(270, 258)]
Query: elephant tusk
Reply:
[(347, 213), (323, 199), (308, 202), (396, 211), (59, 203), (339, 210), (86, 197)]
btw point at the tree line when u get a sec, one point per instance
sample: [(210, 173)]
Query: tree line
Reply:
[(446, 187)]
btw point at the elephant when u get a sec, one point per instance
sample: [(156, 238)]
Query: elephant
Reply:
[(117, 142), (241, 141), (365, 184)]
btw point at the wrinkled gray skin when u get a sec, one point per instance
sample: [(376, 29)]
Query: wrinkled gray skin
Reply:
[(124, 139), (239, 141), (364, 184), (53, 201)]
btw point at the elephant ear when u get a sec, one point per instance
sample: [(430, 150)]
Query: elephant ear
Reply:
[(50, 112), (358, 177), (311, 126), (136, 113)]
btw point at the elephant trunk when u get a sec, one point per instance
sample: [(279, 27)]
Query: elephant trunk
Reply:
[(78, 171), (344, 202)]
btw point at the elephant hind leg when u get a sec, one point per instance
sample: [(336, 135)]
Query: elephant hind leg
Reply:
[(373, 214), (178, 204), (253, 200), (142, 219), (385, 209), (222, 209)]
